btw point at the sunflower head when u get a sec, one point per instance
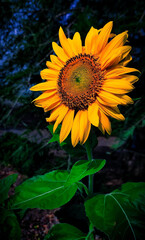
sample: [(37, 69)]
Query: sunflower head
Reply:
[(84, 84)]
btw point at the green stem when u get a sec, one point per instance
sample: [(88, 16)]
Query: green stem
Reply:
[(89, 236), (89, 155), (90, 184), (89, 150)]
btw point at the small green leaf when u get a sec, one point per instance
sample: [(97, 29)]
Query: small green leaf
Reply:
[(136, 99), (5, 184), (55, 136), (64, 231), (45, 192), (9, 226), (82, 186), (84, 168), (50, 127), (121, 213)]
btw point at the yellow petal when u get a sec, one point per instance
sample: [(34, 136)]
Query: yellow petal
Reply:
[(55, 113), (59, 52), (44, 86), (93, 114), (101, 128), (52, 106), (93, 33), (117, 90), (66, 125), (72, 46), (112, 35), (116, 42), (127, 99), (53, 65), (61, 116), (85, 126), (111, 98), (83, 50), (54, 59), (48, 101), (115, 56), (104, 36), (46, 94), (75, 130), (77, 42), (130, 78), (94, 49), (113, 112), (118, 71), (105, 122), (106, 103), (127, 60), (65, 43), (117, 86), (49, 74)]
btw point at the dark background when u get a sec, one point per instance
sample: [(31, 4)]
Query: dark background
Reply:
[(27, 31)]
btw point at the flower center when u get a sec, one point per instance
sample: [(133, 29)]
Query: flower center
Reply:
[(80, 81)]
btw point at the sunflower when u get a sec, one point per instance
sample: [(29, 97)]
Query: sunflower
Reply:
[(84, 84)]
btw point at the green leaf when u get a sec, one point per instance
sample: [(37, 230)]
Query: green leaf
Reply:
[(121, 213), (82, 186), (5, 184), (55, 136), (45, 192), (9, 226), (64, 231), (50, 127), (84, 168)]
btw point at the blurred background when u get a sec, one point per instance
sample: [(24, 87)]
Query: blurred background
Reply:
[(27, 31)]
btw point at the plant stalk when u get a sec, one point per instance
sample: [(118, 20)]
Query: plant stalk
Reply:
[(89, 155), (90, 184)]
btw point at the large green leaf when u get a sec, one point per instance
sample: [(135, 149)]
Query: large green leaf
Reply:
[(5, 184), (84, 168), (9, 226), (46, 191), (121, 213), (64, 231)]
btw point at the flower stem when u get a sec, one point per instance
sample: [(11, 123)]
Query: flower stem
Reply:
[(89, 155), (90, 184)]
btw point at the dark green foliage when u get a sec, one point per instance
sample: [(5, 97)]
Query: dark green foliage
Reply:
[(21, 153), (121, 213), (135, 116), (64, 231), (9, 226), (5, 185), (24, 155)]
